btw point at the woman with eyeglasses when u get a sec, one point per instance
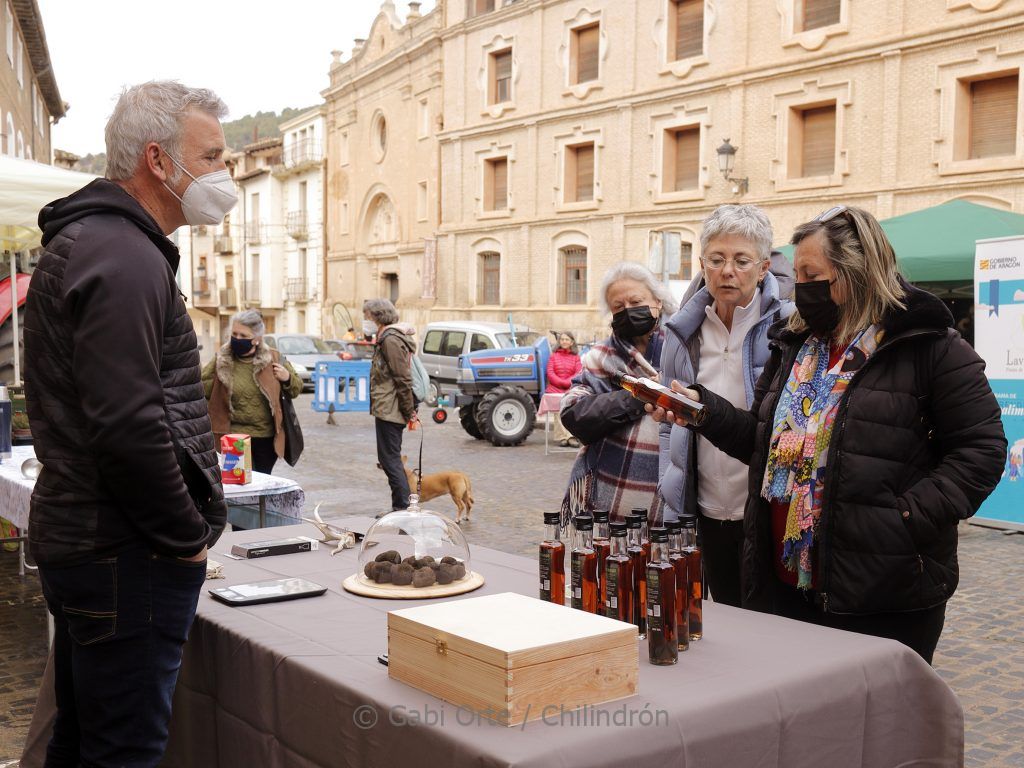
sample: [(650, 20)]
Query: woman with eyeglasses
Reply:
[(719, 338), (873, 432)]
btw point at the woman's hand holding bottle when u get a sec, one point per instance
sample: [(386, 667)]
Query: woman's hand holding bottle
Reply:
[(682, 419)]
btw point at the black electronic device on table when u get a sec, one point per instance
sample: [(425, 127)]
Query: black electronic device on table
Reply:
[(270, 591)]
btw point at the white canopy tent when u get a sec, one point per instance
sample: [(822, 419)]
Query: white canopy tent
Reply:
[(25, 187)]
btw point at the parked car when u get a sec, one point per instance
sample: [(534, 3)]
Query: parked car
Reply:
[(303, 351), (443, 342), (352, 350)]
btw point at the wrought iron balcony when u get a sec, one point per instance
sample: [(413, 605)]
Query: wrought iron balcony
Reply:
[(223, 245), (299, 289), (251, 291), (228, 297), (295, 223), (204, 292), (301, 153), (255, 232)]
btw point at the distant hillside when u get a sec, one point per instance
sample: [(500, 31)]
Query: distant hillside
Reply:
[(237, 133), (240, 132)]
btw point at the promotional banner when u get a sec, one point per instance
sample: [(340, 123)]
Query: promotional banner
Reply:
[(999, 339)]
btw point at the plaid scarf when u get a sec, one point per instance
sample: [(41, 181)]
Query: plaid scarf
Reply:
[(798, 450)]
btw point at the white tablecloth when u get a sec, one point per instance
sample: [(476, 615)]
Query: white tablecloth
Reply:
[(16, 490)]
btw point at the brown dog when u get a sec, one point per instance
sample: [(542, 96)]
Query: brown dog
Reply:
[(455, 484)]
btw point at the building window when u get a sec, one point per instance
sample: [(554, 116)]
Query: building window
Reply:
[(812, 141), (572, 278), (501, 77), (9, 26), (19, 59), (343, 148), (814, 14), (496, 184), (421, 201), (686, 29), (381, 134), (585, 54), (489, 291), (579, 173), (478, 7), (424, 119), (391, 286), (681, 169), (993, 117), (343, 216)]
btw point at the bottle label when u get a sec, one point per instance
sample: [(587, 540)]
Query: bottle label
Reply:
[(655, 621), (577, 581), (612, 589), (545, 574)]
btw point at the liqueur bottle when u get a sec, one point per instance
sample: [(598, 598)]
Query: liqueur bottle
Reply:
[(552, 561), (584, 566), (618, 591), (602, 546), (638, 565), (677, 557), (650, 391), (645, 538), (662, 643), (694, 575)]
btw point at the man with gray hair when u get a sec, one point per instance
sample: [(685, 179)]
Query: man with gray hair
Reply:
[(720, 338), (129, 497)]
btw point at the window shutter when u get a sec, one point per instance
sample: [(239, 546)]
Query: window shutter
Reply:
[(588, 42), (689, 28), (819, 141), (687, 158), (573, 289), (502, 77), (500, 175), (820, 13), (584, 172), (490, 278), (994, 116)]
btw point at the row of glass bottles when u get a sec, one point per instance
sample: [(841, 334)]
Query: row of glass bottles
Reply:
[(617, 570)]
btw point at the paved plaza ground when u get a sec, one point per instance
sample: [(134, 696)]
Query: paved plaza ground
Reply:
[(980, 655)]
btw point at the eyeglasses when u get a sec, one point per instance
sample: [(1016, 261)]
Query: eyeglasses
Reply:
[(830, 214), (741, 264)]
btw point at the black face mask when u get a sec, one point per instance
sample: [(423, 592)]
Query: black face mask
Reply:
[(241, 347), (814, 302), (631, 322)]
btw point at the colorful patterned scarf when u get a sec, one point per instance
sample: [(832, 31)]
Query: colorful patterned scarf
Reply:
[(804, 420)]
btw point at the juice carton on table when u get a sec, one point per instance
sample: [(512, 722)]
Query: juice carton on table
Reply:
[(236, 465)]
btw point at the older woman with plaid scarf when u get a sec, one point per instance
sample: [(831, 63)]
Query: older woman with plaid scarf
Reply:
[(873, 433), (617, 468)]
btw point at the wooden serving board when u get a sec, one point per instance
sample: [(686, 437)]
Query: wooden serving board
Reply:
[(358, 584)]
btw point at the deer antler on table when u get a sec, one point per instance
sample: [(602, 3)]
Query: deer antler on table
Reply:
[(343, 536)]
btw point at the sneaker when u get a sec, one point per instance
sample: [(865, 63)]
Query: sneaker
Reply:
[(573, 442)]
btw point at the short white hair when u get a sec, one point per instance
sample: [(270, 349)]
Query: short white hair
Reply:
[(153, 111), (747, 221), (631, 270), (251, 319)]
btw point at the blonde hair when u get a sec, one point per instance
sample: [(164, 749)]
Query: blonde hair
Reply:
[(866, 270)]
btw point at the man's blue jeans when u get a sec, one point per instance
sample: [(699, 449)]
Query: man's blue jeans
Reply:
[(120, 626)]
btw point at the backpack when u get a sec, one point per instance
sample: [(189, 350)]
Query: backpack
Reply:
[(420, 379)]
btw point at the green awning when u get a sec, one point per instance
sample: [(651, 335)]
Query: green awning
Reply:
[(937, 244)]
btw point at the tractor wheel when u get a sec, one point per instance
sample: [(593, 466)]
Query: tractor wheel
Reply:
[(7, 348), (506, 415), (467, 418), (433, 393)]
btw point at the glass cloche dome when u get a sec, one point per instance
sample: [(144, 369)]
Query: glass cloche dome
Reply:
[(414, 548)]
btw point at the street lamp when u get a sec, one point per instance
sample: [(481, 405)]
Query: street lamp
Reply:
[(726, 158)]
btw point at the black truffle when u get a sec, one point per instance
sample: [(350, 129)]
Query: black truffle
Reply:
[(382, 573), (424, 561), (459, 571), (423, 577), (446, 574), (390, 556), (401, 575), (410, 560), (449, 560), (368, 569)]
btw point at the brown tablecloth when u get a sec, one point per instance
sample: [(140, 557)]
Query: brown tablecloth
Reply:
[(298, 684)]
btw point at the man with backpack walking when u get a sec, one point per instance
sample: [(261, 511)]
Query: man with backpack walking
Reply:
[(392, 401)]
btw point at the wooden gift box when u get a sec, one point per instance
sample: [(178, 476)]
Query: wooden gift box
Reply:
[(513, 658)]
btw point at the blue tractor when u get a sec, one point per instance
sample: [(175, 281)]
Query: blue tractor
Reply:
[(500, 389)]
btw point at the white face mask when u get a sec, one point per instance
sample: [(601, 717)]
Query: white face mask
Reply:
[(369, 327), (207, 199)]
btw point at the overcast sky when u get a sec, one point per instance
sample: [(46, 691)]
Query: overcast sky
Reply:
[(256, 54)]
